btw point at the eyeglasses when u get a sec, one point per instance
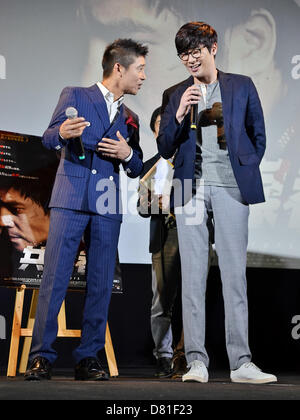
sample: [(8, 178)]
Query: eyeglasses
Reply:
[(196, 53)]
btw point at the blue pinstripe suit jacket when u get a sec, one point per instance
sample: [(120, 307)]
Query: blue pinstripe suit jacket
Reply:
[(77, 181)]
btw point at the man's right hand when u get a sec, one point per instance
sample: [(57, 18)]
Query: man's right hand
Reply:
[(190, 97), (72, 128)]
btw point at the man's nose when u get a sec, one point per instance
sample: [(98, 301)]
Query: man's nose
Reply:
[(6, 219), (191, 59)]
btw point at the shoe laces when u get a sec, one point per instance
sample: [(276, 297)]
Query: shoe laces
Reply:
[(252, 365), (196, 364)]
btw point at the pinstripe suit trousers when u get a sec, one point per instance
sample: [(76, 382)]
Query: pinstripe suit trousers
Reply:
[(101, 234)]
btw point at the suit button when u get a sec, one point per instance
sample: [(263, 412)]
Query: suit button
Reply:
[(111, 178), (94, 171)]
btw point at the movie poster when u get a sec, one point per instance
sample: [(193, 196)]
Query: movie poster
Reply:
[(27, 173)]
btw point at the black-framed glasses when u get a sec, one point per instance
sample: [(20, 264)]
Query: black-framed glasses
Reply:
[(196, 53)]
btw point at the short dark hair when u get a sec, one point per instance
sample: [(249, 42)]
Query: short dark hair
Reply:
[(37, 187), (155, 114), (192, 34), (122, 51)]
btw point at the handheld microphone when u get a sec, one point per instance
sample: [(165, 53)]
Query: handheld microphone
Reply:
[(194, 115), (72, 113)]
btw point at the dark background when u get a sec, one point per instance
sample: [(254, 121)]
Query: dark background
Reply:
[(274, 299)]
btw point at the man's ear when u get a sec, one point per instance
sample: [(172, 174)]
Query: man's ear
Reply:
[(253, 42), (214, 49), (261, 28), (118, 70)]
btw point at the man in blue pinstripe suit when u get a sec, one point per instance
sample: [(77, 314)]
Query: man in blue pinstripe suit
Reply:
[(85, 203)]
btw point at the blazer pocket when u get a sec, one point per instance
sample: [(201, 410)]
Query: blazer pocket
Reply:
[(68, 169), (249, 159)]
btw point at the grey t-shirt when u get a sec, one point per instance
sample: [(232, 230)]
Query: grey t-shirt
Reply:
[(212, 158)]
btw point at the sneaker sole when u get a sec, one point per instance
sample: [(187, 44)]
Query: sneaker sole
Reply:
[(254, 381), (194, 379)]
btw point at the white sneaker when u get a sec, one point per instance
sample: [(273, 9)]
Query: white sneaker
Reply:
[(197, 373), (248, 373)]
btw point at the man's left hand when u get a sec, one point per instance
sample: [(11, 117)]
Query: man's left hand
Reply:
[(113, 148)]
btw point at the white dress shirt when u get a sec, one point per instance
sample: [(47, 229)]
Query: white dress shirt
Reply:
[(112, 108), (112, 105)]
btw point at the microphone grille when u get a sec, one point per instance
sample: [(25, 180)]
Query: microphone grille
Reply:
[(71, 112)]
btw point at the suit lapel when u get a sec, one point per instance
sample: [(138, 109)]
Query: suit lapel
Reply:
[(121, 119), (118, 123), (99, 103), (185, 84), (227, 96)]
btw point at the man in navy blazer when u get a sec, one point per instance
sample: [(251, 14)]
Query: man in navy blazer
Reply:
[(85, 203), (214, 123)]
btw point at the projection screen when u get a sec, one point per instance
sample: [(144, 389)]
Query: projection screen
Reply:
[(47, 45)]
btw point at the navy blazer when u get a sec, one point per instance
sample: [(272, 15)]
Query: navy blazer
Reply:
[(80, 183), (244, 130)]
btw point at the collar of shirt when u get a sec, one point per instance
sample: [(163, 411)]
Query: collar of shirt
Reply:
[(112, 106)]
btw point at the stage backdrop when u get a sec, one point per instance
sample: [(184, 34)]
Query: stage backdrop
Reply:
[(45, 46)]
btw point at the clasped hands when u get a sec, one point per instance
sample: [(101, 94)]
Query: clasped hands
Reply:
[(72, 128)]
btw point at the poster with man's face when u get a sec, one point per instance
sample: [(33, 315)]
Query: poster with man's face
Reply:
[(257, 39), (27, 173)]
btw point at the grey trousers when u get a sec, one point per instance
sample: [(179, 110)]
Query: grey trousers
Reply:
[(230, 218), (166, 278)]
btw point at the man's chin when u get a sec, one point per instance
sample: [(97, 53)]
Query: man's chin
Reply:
[(19, 244), (133, 91), (196, 74)]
